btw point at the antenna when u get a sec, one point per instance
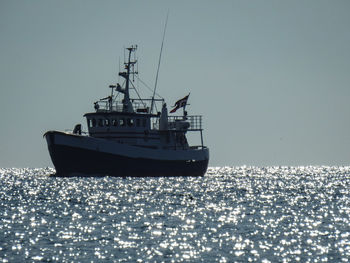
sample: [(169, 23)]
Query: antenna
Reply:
[(160, 57), (124, 54)]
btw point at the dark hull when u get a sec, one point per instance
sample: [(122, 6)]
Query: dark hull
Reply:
[(74, 161)]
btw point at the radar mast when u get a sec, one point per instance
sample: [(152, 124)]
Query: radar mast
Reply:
[(130, 70)]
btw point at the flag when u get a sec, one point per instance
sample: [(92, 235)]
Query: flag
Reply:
[(180, 103)]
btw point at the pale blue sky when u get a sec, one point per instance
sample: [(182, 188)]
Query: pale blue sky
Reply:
[(272, 78)]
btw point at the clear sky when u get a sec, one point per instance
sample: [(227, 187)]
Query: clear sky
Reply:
[(272, 78)]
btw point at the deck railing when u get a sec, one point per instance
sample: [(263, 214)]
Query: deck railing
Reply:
[(195, 122), (104, 106)]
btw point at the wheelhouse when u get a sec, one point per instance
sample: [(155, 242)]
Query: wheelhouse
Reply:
[(116, 122)]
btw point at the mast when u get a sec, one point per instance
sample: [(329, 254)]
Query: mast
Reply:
[(129, 66)]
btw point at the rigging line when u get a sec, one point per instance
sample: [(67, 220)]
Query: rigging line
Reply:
[(150, 89), (155, 105), (138, 95), (137, 70), (160, 57)]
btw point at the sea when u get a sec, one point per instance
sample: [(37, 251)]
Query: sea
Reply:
[(232, 214)]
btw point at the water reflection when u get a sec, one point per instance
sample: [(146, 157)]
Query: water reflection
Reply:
[(245, 214)]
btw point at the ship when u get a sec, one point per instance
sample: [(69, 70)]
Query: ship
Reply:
[(131, 136)]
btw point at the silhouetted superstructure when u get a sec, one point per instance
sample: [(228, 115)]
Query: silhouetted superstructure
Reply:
[(126, 138)]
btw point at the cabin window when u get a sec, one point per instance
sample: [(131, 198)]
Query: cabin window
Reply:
[(122, 122), (115, 122), (138, 124), (89, 123), (100, 122), (130, 122), (107, 122), (93, 122), (144, 122)]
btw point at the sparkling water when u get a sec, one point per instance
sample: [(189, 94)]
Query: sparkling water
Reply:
[(232, 214)]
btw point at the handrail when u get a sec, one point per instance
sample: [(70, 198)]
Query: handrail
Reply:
[(174, 123), (195, 121), (104, 106)]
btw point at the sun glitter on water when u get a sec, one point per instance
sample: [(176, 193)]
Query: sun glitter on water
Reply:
[(244, 214)]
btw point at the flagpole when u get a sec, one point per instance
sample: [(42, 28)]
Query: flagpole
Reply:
[(184, 108)]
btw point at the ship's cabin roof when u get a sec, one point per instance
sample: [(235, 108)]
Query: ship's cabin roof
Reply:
[(117, 113)]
